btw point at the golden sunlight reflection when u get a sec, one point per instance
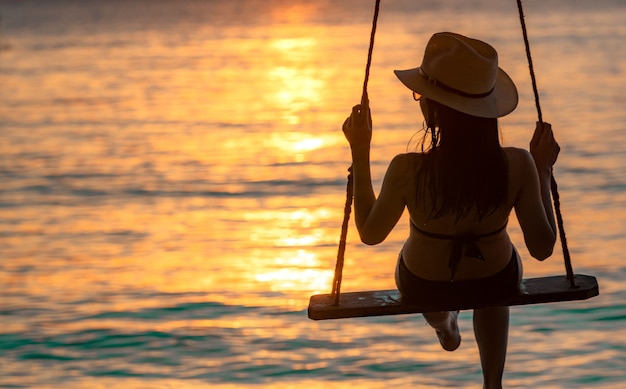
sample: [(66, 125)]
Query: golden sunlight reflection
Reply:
[(302, 217), (298, 272), (296, 90), (296, 141), (299, 241), (293, 43), (292, 265), (285, 236), (296, 84), (298, 144)]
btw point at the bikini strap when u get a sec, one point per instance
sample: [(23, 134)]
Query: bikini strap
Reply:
[(454, 237), (469, 241)]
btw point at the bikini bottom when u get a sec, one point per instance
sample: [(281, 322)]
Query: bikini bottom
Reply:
[(437, 294)]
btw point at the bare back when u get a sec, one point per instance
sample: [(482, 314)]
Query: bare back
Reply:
[(427, 257)]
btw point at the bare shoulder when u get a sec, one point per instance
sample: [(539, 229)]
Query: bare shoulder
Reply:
[(406, 160), (516, 154), (402, 166), (521, 167), (518, 159)]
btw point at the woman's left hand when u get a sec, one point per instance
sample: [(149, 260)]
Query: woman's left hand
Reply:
[(358, 126)]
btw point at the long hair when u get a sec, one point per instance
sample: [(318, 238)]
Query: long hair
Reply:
[(464, 168)]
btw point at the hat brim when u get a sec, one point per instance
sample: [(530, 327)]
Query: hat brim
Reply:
[(500, 102)]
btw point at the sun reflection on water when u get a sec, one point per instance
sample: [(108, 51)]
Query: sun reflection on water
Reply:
[(292, 265), (298, 142), (301, 271), (296, 90), (295, 85), (287, 44)]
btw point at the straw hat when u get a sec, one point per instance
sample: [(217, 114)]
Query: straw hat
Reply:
[(462, 73)]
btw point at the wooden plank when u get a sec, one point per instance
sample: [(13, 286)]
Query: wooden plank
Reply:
[(388, 302)]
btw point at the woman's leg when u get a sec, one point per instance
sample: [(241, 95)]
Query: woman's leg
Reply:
[(447, 328), (445, 323), (491, 327)]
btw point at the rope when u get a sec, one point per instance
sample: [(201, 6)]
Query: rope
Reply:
[(369, 55), (342, 240), (553, 186), (336, 290)]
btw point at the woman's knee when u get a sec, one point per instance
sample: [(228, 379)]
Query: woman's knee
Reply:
[(436, 317)]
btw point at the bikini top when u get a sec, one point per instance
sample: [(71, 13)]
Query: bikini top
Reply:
[(458, 242)]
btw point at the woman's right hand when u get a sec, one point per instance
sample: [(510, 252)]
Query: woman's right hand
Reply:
[(358, 126), (543, 147)]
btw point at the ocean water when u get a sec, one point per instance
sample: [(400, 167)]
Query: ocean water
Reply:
[(172, 179)]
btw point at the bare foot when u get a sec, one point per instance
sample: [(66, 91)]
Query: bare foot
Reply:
[(449, 335)]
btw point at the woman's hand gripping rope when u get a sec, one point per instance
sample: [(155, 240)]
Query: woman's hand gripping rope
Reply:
[(543, 147), (357, 128)]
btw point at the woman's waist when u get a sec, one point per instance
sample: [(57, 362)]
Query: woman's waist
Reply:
[(431, 260)]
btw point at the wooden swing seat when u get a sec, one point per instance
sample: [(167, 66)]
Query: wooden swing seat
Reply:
[(388, 302)]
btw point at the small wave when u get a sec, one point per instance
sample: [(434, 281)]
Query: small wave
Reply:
[(599, 313), (200, 310), (240, 190)]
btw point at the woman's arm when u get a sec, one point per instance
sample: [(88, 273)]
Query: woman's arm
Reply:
[(545, 150), (533, 205), (364, 197), (374, 218)]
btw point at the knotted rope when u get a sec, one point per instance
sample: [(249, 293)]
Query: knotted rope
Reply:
[(349, 187), (553, 186)]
